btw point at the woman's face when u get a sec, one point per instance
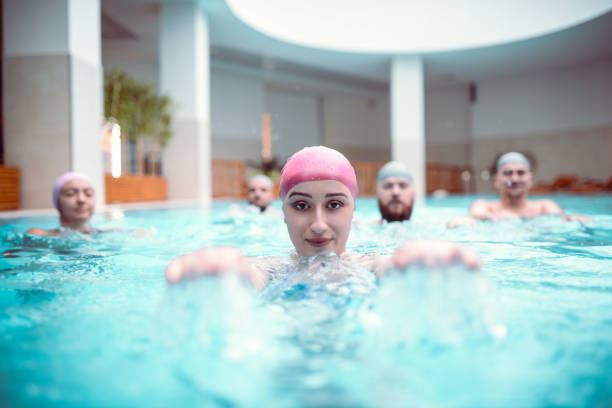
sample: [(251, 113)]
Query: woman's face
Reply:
[(76, 201), (318, 215)]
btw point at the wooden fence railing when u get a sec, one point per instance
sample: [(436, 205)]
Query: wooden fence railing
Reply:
[(9, 188), (228, 181), (454, 179), (366, 173), (228, 178), (131, 188)]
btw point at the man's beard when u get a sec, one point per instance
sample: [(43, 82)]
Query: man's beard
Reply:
[(262, 208), (391, 217)]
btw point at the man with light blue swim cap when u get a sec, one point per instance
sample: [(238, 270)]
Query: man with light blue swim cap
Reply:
[(512, 157), (260, 191), (395, 192), (513, 179)]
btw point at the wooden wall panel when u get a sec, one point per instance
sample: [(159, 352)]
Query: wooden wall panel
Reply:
[(228, 178), (131, 188), (9, 188), (366, 173)]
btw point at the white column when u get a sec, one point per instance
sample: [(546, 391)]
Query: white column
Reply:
[(407, 108), (52, 93), (86, 92), (184, 76)]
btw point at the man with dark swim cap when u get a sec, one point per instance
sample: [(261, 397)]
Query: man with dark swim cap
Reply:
[(513, 179)]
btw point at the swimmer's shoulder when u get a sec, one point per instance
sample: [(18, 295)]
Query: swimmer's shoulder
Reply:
[(546, 206), (481, 208), (42, 232), (482, 203)]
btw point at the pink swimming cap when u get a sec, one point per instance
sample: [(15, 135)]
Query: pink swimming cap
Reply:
[(62, 180), (317, 163)]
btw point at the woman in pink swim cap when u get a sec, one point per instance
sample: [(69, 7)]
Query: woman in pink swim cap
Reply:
[(318, 188), (74, 197)]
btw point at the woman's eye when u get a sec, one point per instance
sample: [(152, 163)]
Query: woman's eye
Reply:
[(300, 205), (334, 204)]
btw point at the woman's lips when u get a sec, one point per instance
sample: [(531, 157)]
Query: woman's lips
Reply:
[(318, 242)]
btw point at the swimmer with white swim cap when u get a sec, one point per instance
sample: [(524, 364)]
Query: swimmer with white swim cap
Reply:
[(395, 192), (75, 200), (318, 188), (513, 179), (260, 191)]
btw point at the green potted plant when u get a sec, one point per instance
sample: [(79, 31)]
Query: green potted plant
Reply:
[(143, 115)]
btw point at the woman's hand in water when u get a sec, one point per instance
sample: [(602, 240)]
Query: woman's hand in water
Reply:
[(213, 261), (578, 217), (461, 222), (429, 253)]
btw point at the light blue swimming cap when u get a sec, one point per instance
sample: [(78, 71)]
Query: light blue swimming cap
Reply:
[(512, 157), (261, 177), (394, 169)]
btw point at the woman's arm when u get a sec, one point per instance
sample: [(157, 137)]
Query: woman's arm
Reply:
[(42, 232), (461, 221), (429, 253), (216, 261), (481, 210)]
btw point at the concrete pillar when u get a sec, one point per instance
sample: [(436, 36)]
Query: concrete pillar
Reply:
[(407, 93), (184, 76), (53, 94)]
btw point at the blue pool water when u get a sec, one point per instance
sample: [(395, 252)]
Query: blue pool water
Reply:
[(90, 322)]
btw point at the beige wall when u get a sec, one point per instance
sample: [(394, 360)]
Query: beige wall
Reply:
[(453, 153), (222, 148), (52, 119), (354, 153), (37, 123)]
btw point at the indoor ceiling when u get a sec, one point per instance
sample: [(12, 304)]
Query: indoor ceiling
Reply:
[(130, 30)]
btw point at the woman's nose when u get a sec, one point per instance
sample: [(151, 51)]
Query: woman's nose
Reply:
[(318, 225), (81, 196)]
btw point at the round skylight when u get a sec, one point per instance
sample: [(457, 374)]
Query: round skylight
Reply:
[(411, 26)]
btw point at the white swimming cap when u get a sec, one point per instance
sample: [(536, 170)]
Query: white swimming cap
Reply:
[(263, 178), (62, 180), (512, 157), (394, 169)]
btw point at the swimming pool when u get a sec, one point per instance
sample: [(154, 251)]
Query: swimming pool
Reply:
[(87, 322)]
